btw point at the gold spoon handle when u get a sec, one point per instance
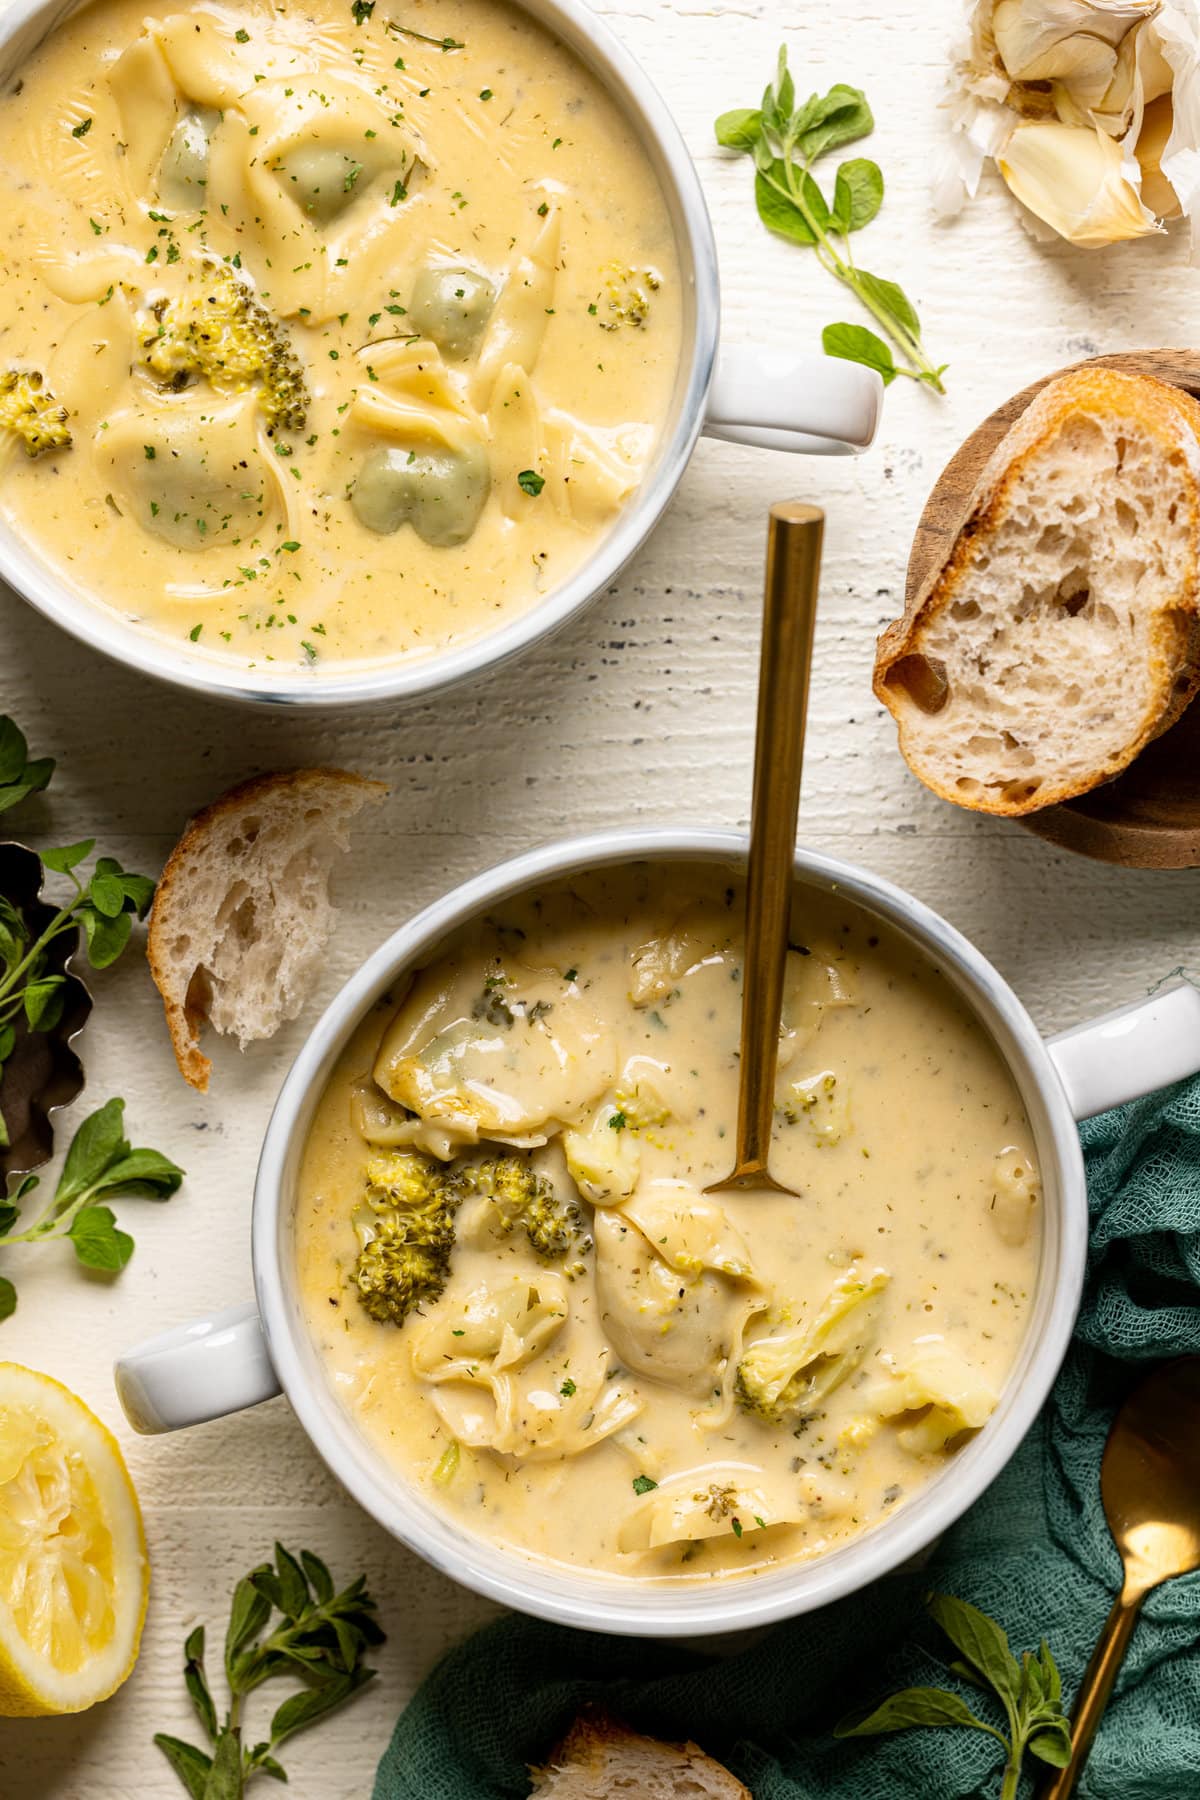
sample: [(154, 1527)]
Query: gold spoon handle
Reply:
[(789, 616), (1094, 1692)]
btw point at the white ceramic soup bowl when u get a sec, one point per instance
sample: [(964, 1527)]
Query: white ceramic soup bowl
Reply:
[(247, 1354), (745, 394)]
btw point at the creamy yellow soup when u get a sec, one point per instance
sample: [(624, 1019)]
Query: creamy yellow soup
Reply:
[(360, 340), (606, 1366)]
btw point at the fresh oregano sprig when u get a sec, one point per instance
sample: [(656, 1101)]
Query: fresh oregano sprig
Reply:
[(785, 141), (19, 775), (1030, 1692), (100, 1165), (318, 1636)]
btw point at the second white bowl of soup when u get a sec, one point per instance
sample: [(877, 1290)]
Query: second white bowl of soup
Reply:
[(345, 355), (512, 1321)]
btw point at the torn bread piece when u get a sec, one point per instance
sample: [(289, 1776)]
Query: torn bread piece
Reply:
[(601, 1759), (1062, 631), (242, 911)]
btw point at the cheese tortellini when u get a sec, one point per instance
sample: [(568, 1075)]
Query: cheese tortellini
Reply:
[(514, 1061), (496, 1386), (940, 1389), (440, 493), (716, 1500), (675, 1288), (451, 306), (183, 171), (193, 473)]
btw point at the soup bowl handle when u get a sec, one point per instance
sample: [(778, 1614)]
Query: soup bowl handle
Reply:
[(196, 1372), (1130, 1052), (783, 401)]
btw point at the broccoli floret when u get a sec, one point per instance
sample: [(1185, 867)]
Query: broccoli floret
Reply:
[(406, 1261), (410, 1226), (628, 293), (223, 333), (29, 409), (521, 1197)]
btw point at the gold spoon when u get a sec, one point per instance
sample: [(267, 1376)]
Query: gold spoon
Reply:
[(1150, 1485), (789, 615)]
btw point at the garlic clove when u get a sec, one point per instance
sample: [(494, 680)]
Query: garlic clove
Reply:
[(1073, 41), (1157, 192), (1072, 178)]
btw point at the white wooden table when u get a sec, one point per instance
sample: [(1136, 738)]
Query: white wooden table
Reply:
[(643, 710)]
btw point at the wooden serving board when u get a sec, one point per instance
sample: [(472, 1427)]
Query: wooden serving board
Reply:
[(1148, 817)]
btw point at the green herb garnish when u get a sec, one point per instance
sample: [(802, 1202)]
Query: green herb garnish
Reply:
[(100, 1164), (785, 141), (530, 482), (19, 776), (1030, 1691), (104, 904), (82, 129), (423, 37), (319, 1637), (642, 1484)]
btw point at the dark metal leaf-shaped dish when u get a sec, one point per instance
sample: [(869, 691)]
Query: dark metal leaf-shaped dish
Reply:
[(43, 1073)]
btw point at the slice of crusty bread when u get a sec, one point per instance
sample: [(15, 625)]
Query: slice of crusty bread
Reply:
[(242, 912), (1062, 632), (601, 1759)]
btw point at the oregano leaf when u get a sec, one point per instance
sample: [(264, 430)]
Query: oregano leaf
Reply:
[(97, 1241), (857, 193), (741, 129), (892, 297), (856, 343), (191, 1765), (911, 1707)]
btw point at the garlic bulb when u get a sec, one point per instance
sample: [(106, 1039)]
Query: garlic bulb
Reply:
[(1090, 109)]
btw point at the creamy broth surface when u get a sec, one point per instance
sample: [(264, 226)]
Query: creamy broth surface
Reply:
[(697, 1386), (463, 252)]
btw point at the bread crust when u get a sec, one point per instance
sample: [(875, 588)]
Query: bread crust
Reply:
[(1167, 413), (594, 1732), (184, 1024)]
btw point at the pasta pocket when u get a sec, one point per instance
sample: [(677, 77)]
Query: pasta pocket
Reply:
[(718, 1500), (301, 173), (193, 473), (490, 1342), (514, 1061), (670, 1314), (942, 1392)]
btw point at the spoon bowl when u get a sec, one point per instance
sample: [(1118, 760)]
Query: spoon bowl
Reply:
[(1150, 1486)]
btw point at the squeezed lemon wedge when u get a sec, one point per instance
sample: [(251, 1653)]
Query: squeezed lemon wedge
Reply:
[(74, 1576)]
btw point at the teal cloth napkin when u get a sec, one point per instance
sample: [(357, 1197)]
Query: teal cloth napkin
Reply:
[(1034, 1552)]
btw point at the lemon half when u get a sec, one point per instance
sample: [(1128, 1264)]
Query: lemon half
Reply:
[(74, 1576)]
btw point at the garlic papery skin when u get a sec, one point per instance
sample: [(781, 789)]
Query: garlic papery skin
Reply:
[(1072, 177)]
